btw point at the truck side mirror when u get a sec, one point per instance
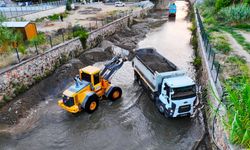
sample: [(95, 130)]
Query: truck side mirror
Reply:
[(172, 92)]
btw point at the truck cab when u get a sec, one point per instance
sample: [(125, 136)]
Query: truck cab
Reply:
[(178, 96), (172, 9)]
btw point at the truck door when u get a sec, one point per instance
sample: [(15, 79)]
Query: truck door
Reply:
[(166, 91)]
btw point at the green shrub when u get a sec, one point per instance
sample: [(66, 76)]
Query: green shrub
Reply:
[(235, 14), (82, 33), (54, 17), (197, 62), (22, 49), (68, 5), (222, 3), (19, 89), (239, 111), (209, 3), (209, 20), (243, 26), (246, 2), (39, 39), (6, 98)]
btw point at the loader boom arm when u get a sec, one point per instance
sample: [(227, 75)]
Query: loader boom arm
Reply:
[(111, 67)]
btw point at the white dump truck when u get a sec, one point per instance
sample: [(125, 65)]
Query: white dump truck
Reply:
[(172, 90)]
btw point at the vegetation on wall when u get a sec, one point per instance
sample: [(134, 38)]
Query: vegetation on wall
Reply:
[(82, 33)]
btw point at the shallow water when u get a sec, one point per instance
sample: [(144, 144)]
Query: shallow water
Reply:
[(132, 122)]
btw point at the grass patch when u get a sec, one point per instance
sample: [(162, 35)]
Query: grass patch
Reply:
[(236, 60), (238, 37), (239, 110), (53, 17), (245, 27), (19, 89), (220, 42)]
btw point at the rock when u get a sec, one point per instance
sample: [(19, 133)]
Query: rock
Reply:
[(106, 45)]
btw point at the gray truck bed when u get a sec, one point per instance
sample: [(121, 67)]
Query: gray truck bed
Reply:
[(154, 61)]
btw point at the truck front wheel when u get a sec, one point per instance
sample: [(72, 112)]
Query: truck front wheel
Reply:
[(92, 104), (160, 106), (115, 94)]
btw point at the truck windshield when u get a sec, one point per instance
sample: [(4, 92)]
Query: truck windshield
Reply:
[(184, 92)]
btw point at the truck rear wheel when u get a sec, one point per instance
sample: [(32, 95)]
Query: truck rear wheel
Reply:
[(136, 78), (139, 82), (92, 104), (115, 94)]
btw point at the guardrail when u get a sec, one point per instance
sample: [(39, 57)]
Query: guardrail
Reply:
[(17, 11), (214, 65)]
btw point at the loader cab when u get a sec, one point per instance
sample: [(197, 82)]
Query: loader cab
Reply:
[(90, 74)]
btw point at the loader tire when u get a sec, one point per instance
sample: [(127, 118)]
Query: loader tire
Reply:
[(92, 104), (115, 94)]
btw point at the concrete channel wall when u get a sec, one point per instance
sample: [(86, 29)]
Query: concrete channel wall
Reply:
[(20, 77), (215, 125)]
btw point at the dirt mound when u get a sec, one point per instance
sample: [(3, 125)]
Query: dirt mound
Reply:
[(156, 63), (95, 55)]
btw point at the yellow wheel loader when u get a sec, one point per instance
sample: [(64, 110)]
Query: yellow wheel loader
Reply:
[(90, 86)]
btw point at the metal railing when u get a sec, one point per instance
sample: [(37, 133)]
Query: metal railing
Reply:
[(12, 11), (214, 64)]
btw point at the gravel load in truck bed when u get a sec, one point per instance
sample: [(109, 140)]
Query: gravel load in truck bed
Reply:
[(156, 62)]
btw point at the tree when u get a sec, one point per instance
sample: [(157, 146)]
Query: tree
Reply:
[(68, 5)]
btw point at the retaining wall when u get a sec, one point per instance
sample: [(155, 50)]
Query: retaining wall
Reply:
[(20, 77)]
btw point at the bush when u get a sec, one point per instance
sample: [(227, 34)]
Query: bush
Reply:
[(222, 3), (82, 33), (239, 111), (54, 17), (235, 14), (209, 3), (210, 20), (68, 5)]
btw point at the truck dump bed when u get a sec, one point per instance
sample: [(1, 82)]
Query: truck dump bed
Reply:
[(154, 61)]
